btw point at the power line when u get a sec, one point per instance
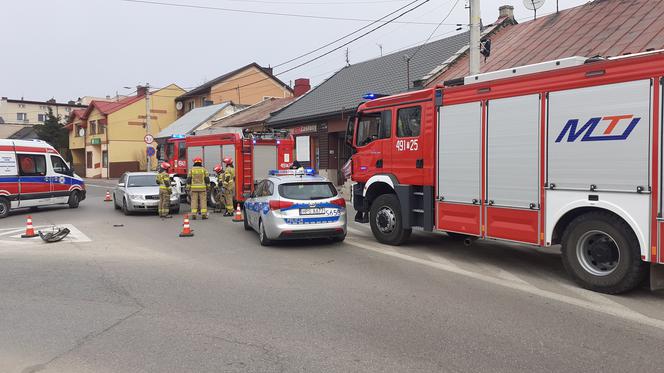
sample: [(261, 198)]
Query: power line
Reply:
[(434, 30), (346, 36), (318, 3), (266, 12), (332, 50)]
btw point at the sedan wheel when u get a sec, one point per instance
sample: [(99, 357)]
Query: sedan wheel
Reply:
[(125, 210)]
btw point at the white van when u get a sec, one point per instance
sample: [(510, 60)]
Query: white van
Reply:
[(32, 173)]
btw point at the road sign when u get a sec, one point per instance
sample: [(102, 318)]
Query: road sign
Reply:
[(149, 139), (151, 151)]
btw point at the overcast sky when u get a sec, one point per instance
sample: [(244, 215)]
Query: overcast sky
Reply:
[(72, 48)]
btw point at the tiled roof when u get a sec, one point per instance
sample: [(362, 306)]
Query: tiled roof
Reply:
[(205, 87), (602, 27), (192, 120), (387, 75), (256, 114)]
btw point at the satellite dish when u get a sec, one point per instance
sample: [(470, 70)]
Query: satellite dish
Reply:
[(81, 132), (533, 5), (179, 105)]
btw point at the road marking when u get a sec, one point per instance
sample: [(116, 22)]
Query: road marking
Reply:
[(604, 308), (441, 260), (75, 235)]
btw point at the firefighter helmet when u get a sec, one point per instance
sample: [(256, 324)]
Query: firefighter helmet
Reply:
[(217, 168), (228, 160), (165, 165), (198, 160)]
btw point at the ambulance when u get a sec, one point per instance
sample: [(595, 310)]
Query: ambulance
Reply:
[(32, 174)]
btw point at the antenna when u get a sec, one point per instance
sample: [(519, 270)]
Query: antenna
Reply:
[(380, 46), (347, 58), (533, 5)]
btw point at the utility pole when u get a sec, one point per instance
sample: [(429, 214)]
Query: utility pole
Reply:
[(147, 120), (474, 37)]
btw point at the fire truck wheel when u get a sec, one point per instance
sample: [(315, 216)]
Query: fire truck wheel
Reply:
[(4, 208), (386, 221), (601, 253)]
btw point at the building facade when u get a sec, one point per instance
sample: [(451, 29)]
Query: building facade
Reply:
[(107, 139), (28, 112), (247, 85)]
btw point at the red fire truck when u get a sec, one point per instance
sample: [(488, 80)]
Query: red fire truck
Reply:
[(565, 152), (253, 154)]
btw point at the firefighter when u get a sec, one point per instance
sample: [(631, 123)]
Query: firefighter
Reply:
[(229, 186), (164, 182), (218, 190), (198, 181)]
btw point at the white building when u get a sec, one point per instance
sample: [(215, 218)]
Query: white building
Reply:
[(13, 111)]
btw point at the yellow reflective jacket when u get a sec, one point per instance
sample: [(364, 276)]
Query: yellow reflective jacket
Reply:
[(198, 178), (164, 181), (229, 178)]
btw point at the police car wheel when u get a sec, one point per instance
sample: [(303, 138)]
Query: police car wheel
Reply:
[(262, 237), (247, 227), (386, 220), (74, 200), (601, 253), (4, 208)]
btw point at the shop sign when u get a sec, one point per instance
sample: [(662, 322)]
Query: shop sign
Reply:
[(309, 128), (95, 141)]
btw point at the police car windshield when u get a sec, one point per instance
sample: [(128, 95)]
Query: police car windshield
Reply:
[(307, 191), (142, 181)]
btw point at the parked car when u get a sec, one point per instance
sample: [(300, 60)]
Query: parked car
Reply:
[(32, 174), (291, 206), (139, 191)]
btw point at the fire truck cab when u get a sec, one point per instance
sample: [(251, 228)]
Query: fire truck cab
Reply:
[(564, 152), (253, 155)]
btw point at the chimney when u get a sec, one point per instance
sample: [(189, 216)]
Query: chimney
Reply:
[(506, 11), (51, 101), (302, 86), (141, 90), (268, 70)]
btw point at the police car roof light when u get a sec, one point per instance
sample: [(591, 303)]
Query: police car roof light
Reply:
[(307, 172)]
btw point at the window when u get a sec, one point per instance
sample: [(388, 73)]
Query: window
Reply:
[(104, 158), (190, 105), (42, 107), (258, 190), (182, 150), (409, 122), (302, 149), (59, 166), (68, 109), (268, 188), (21, 105), (123, 179), (41, 118), (88, 159), (93, 127), (77, 130), (32, 164), (21, 116), (307, 191), (100, 128), (373, 126), (138, 181), (170, 149)]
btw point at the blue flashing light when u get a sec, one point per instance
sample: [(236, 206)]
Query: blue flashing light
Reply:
[(306, 171), (178, 136), (254, 141), (373, 96), (278, 142)]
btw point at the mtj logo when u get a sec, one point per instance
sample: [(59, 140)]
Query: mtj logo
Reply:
[(588, 129)]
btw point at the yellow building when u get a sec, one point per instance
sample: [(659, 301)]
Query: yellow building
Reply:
[(247, 85), (107, 139)]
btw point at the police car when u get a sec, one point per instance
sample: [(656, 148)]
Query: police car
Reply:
[(294, 204)]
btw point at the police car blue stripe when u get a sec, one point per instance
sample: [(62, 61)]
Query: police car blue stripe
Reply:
[(321, 220)]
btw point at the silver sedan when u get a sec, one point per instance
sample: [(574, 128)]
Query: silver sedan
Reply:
[(295, 207), (138, 191)]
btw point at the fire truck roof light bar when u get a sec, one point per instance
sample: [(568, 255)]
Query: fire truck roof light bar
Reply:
[(373, 96), (527, 69)]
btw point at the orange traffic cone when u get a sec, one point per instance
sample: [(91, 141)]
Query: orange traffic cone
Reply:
[(29, 230), (108, 197), (238, 215), (186, 230)]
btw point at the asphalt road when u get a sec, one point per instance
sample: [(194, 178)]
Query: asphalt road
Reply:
[(125, 294)]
